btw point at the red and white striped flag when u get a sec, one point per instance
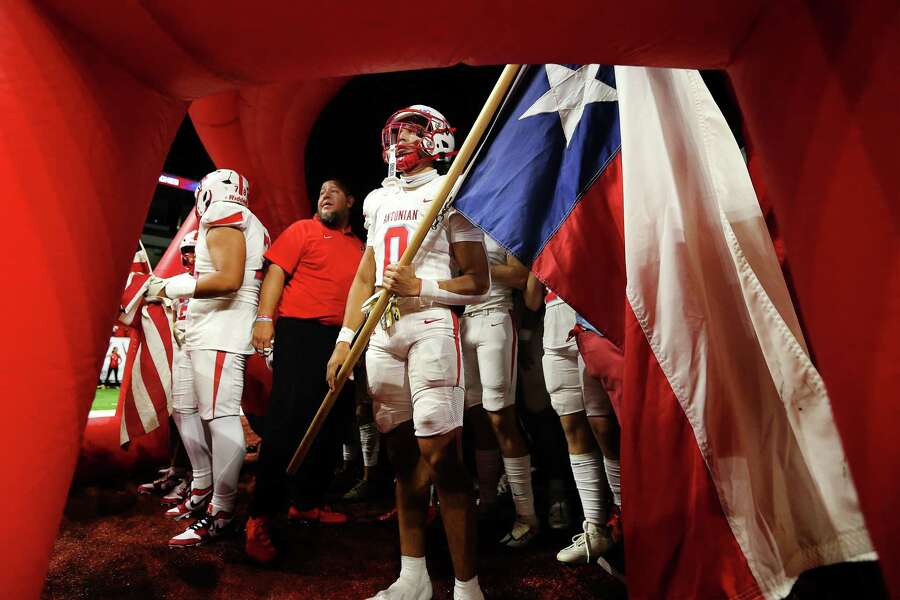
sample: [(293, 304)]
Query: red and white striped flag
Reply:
[(145, 397), (734, 477)]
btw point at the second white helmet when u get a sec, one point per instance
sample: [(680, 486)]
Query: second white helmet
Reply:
[(222, 185)]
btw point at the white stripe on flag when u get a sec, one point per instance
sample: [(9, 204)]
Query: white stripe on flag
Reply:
[(705, 286), (142, 401), (154, 341)]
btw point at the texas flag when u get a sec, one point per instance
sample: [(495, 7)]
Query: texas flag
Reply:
[(625, 191)]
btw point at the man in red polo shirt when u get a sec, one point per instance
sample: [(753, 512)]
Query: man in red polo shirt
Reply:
[(310, 269)]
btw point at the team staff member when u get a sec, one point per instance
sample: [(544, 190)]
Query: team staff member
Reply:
[(311, 267)]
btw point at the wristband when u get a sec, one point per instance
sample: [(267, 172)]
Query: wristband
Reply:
[(346, 335), (265, 318), (432, 292), (181, 287)]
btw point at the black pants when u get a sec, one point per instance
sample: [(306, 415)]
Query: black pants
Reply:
[(302, 350), (112, 371)]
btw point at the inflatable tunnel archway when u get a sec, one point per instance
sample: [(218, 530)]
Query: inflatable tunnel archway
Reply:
[(90, 90)]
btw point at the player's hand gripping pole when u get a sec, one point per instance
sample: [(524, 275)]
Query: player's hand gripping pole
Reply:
[(362, 338)]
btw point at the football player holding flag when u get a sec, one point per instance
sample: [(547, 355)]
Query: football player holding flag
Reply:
[(414, 359), (209, 378)]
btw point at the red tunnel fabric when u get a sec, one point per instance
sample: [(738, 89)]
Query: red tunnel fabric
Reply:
[(262, 131), (91, 95)]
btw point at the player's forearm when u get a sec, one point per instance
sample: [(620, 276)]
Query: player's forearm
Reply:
[(270, 292), (217, 283), (468, 284), (510, 275), (468, 288), (534, 293), (360, 291)]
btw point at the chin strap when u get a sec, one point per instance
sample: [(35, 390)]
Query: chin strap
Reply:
[(392, 161)]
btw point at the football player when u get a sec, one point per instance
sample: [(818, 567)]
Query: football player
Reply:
[(209, 378), (585, 411), (414, 359), (489, 351)]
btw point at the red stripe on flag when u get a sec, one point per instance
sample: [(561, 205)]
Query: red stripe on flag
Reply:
[(217, 377), (698, 557), (229, 220), (587, 247)]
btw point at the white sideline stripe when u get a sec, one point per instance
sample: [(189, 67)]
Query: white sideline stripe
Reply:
[(94, 414)]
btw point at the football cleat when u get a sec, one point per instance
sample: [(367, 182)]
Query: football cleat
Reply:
[(406, 589), (258, 543), (208, 528), (586, 546), (362, 491), (177, 494), (194, 504), (560, 517), (165, 482), (521, 535), (323, 515)]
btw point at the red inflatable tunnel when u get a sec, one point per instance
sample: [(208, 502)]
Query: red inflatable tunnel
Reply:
[(91, 88)]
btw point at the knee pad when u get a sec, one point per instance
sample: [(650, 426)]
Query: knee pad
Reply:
[(563, 381)]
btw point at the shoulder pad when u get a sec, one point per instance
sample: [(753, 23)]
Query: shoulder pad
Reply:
[(226, 214)]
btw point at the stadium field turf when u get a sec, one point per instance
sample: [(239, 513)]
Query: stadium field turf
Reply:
[(105, 399)]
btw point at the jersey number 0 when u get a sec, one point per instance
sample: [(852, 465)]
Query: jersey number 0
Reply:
[(395, 241)]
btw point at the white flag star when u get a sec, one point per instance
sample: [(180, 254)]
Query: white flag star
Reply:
[(570, 91)]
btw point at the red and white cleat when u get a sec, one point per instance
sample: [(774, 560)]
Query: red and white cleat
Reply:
[(178, 494), (166, 481), (208, 528), (194, 504)]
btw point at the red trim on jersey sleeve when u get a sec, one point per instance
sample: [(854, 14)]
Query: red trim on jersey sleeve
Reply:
[(233, 219)]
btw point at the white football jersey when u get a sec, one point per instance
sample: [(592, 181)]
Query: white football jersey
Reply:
[(392, 214), (500, 295), (226, 322)]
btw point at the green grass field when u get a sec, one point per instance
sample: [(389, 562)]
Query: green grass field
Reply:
[(106, 399)]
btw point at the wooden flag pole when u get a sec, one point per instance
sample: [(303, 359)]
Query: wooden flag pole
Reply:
[(362, 338)]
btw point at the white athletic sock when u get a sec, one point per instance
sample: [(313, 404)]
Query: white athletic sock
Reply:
[(370, 440), (467, 590), (190, 428), (518, 473), (228, 449), (413, 568), (349, 453), (590, 481), (614, 477), (487, 465)]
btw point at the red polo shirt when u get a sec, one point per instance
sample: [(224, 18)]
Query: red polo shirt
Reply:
[(321, 264)]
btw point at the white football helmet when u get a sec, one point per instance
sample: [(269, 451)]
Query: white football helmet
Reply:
[(222, 185), (189, 241), (436, 141)]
